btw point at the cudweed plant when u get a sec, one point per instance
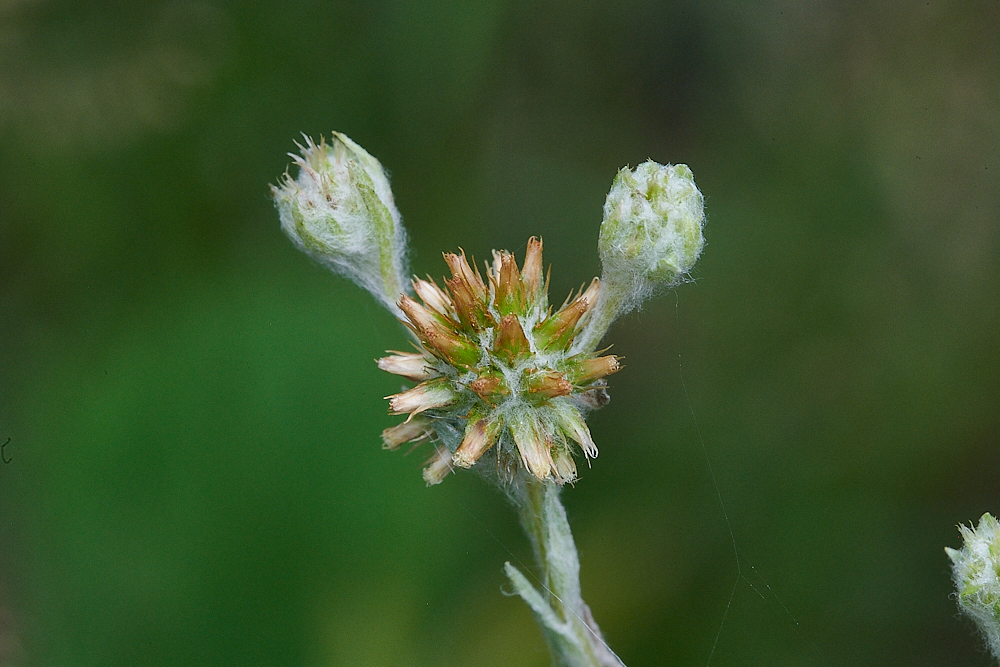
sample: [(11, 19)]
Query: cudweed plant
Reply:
[(503, 382)]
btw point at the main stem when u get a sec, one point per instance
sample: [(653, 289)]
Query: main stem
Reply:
[(573, 636)]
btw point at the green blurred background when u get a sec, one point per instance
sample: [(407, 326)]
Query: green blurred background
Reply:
[(195, 469)]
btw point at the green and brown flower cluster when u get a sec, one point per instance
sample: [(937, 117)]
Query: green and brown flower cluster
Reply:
[(495, 370)]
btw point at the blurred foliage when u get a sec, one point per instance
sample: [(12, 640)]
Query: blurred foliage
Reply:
[(192, 409)]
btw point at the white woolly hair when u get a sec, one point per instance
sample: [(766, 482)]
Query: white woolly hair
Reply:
[(340, 211), (650, 239), (651, 236)]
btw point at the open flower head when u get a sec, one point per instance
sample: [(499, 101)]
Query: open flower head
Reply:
[(498, 387)]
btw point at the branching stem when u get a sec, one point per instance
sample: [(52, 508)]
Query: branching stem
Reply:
[(573, 636)]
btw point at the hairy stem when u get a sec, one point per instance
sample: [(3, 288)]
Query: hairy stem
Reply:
[(573, 636), (608, 307)]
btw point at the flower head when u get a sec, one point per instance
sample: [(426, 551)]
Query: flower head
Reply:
[(653, 218), (340, 211), (976, 573), (495, 371), (650, 238)]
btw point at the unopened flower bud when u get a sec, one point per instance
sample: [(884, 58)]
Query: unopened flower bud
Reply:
[(573, 425), (480, 435), (434, 297), (438, 466), (414, 430), (424, 396), (589, 370), (650, 239), (532, 443), (548, 384), (340, 211), (412, 365), (490, 386), (563, 466), (559, 329), (974, 571)]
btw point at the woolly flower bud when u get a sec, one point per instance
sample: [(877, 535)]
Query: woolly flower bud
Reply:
[(652, 223), (340, 211), (974, 571), (650, 238)]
